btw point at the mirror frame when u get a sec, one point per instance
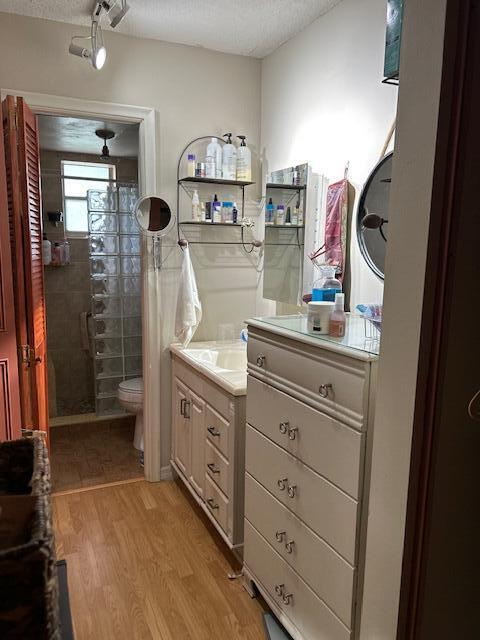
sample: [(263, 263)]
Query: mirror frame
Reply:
[(154, 234), (361, 214)]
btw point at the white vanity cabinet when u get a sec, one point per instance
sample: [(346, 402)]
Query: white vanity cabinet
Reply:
[(309, 417), (208, 447)]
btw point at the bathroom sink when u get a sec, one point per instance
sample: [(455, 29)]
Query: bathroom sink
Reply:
[(223, 362)]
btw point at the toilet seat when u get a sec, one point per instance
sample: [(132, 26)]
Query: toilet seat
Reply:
[(131, 390)]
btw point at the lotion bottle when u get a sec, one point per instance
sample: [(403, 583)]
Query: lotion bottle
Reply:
[(196, 216), (244, 161), (229, 159), (214, 159), (338, 318)]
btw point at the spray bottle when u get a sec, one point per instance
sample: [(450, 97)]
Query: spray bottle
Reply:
[(244, 161), (229, 159)]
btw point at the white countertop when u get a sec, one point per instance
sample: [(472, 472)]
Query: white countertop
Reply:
[(202, 356), (355, 343)]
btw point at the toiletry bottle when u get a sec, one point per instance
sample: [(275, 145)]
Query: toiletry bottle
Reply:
[(244, 161), (280, 215), (195, 207), (327, 286), (294, 216), (66, 252), (234, 213), (214, 153), (210, 167), (288, 217), (229, 159), (191, 165), (216, 210), (203, 215), (56, 255), (269, 212), (299, 212), (46, 250), (208, 211), (338, 319)]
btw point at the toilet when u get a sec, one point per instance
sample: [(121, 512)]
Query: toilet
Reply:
[(130, 397)]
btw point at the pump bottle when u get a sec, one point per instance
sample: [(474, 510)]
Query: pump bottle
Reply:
[(244, 161), (229, 159)]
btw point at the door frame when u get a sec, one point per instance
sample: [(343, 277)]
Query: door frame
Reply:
[(147, 118)]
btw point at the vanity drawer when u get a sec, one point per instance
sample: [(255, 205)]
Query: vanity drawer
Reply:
[(331, 382), (306, 611), (217, 430), (216, 467), (216, 503), (330, 512), (323, 443), (331, 577)]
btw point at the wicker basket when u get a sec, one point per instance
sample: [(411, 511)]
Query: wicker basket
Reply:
[(28, 574)]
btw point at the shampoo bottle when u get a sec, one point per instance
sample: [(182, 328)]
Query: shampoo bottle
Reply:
[(269, 212), (196, 217), (229, 159), (244, 161), (46, 250)]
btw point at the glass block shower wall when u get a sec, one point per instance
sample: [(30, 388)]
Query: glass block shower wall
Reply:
[(114, 243)]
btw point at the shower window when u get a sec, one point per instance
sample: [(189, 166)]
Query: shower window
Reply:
[(77, 179)]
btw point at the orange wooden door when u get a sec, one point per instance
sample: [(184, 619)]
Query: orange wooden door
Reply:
[(10, 420), (25, 213)]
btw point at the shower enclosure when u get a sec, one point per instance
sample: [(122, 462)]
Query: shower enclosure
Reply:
[(115, 268)]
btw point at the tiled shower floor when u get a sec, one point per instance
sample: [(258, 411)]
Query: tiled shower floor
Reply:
[(93, 453)]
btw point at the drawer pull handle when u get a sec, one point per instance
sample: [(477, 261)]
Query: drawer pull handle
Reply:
[(212, 504), (284, 427), (260, 360), (325, 389), (279, 535), (289, 546), (282, 483), (279, 588), (292, 490), (213, 468), (287, 598), (292, 433), (213, 432)]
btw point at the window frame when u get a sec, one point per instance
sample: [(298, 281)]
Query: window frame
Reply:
[(112, 171)]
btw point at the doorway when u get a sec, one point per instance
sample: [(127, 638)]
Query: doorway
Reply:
[(92, 278)]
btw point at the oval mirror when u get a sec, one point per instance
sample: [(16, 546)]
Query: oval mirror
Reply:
[(373, 216), (154, 216)]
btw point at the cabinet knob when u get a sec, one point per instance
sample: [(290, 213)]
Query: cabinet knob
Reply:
[(283, 427), (260, 360), (292, 490), (279, 535), (325, 389), (212, 467), (282, 483), (289, 546), (287, 598), (213, 432), (279, 588), (292, 433), (212, 504)]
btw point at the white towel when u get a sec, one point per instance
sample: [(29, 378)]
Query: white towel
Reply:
[(189, 307)]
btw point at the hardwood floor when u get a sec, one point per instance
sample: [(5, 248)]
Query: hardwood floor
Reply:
[(96, 453), (144, 563)]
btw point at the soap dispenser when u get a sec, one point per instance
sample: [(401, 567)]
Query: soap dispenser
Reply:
[(244, 161), (229, 159)]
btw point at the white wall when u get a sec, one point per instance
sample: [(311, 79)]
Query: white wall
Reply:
[(323, 103), (196, 92)]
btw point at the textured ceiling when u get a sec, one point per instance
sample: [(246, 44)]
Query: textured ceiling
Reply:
[(247, 27), (77, 135)]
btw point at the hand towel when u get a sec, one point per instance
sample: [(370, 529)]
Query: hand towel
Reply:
[(189, 308)]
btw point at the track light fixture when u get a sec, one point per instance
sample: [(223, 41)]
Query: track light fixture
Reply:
[(115, 10)]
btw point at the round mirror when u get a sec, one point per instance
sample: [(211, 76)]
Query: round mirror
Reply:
[(154, 216), (373, 216)]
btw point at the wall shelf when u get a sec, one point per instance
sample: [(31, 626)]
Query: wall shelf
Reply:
[(220, 181), (206, 223), (286, 187)]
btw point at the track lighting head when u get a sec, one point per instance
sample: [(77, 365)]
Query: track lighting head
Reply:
[(97, 54)]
